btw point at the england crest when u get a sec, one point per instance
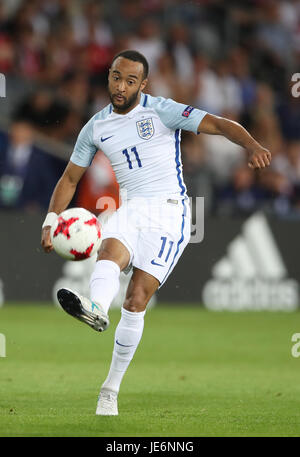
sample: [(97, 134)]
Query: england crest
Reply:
[(145, 128)]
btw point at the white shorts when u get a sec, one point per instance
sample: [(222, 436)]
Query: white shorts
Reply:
[(155, 231)]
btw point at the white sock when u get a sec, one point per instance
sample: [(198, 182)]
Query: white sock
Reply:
[(105, 283), (127, 337)]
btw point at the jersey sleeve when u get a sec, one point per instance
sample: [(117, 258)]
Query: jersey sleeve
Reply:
[(84, 149), (179, 116)]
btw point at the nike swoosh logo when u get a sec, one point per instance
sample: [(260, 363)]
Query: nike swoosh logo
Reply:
[(94, 306), (158, 264), (107, 138), (124, 345)]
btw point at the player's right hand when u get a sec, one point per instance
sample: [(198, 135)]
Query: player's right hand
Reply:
[(46, 239)]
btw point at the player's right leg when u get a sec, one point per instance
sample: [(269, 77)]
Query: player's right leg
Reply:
[(113, 257)]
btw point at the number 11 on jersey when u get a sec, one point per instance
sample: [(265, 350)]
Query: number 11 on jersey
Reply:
[(126, 153)]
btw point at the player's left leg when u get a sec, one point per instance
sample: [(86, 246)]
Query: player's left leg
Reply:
[(127, 337), (113, 257)]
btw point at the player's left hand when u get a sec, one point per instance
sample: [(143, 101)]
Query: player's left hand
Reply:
[(259, 158)]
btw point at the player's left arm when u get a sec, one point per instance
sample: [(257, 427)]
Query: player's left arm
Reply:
[(258, 156)]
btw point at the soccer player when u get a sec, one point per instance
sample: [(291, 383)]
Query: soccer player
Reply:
[(140, 135)]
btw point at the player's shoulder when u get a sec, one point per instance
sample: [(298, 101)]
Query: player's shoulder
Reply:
[(103, 114), (168, 110), (88, 130), (156, 103), (174, 115)]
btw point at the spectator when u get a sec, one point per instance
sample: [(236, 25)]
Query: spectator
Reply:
[(218, 90), (273, 33), (91, 17), (27, 174), (148, 41), (242, 195), (59, 60), (180, 48), (289, 116), (240, 65), (164, 82), (49, 115)]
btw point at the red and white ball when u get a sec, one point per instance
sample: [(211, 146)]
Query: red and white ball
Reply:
[(76, 234)]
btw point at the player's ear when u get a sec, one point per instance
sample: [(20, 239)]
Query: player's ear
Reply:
[(144, 84)]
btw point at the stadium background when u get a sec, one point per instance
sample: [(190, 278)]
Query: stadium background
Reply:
[(234, 59)]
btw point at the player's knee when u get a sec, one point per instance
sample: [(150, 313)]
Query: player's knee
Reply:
[(137, 301), (113, 250)]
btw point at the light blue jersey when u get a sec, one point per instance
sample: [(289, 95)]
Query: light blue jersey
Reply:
[(143, 145)]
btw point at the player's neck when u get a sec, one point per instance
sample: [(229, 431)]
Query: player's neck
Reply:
[(118, 111)]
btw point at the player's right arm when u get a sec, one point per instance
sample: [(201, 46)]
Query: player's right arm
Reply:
[(81, 158), (61, 197)]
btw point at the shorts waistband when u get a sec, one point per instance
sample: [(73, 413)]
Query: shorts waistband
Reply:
[(174, 200)]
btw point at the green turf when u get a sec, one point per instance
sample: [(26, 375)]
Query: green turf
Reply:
[(195, 373)]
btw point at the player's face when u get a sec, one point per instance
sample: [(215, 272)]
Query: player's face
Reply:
[(125, 83)]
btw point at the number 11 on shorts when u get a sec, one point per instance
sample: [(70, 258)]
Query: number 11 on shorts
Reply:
[(163, 245)]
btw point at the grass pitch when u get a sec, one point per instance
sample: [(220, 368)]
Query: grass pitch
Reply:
[(195, 373)]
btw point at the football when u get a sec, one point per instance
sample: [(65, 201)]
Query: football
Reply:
[(76, 234)]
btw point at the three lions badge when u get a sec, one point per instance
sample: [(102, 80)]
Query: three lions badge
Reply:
[(145, 128)]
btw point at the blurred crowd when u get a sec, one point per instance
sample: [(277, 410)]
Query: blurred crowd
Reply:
[(234, 59)]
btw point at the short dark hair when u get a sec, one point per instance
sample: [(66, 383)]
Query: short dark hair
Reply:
[(136, 57)]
